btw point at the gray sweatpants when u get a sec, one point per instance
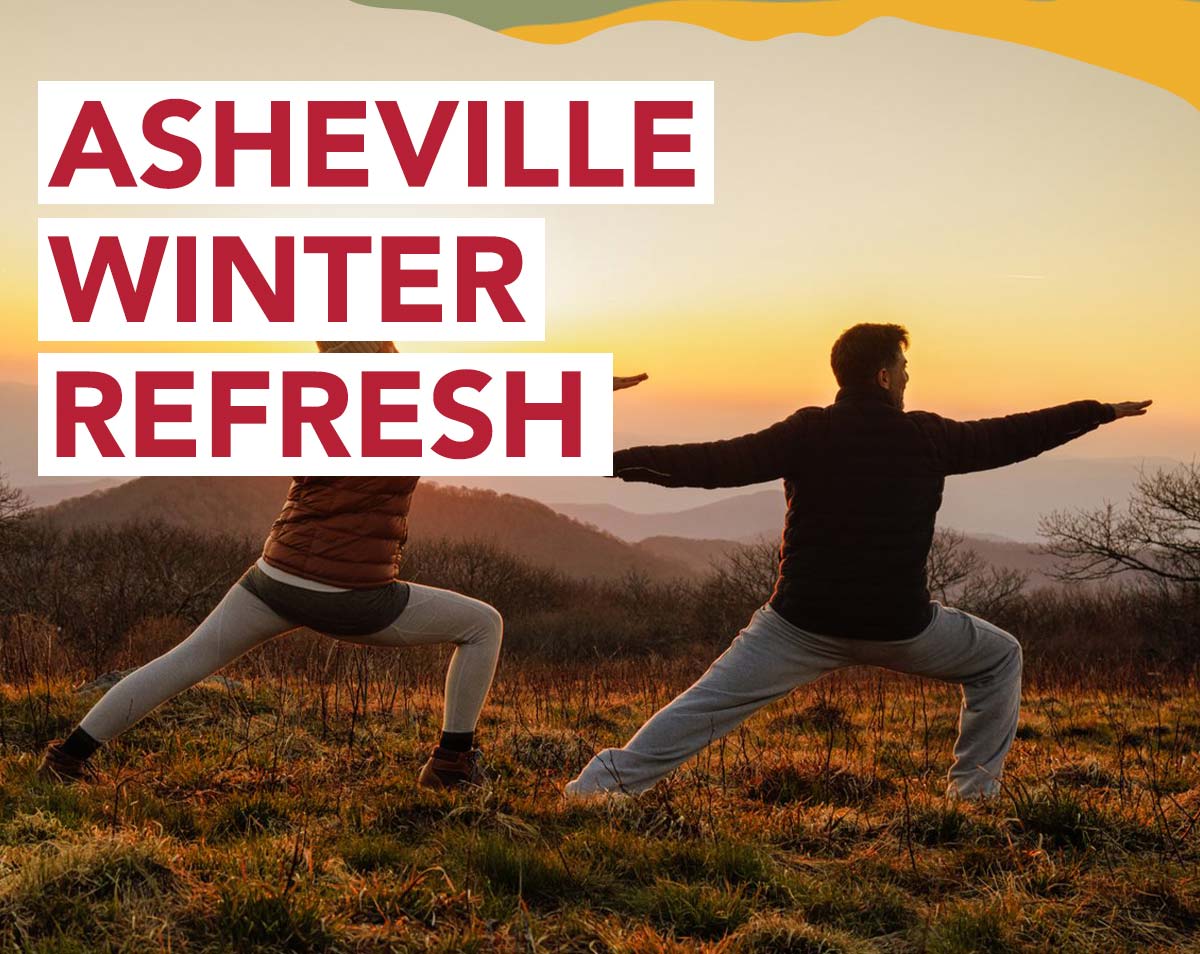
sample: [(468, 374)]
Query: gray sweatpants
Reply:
[(771, 657), (242, 621)]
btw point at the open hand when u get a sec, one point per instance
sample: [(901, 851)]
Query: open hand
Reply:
[(620, 384), (1131, 408)]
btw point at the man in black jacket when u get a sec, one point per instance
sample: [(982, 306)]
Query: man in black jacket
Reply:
[(863, 481)]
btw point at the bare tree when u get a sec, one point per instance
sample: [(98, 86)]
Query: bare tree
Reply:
[(991, 591), (14, 508), (97, 583), (743, 578), (958, 574), (750, 569), (950, 563), (481, 568), (1156, 535)]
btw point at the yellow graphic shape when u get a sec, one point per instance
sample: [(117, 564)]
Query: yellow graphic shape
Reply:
[(1157, 41)]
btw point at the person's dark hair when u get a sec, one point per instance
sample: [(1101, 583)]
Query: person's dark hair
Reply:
[(863, 350)]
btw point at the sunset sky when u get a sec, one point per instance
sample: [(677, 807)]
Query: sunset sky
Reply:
[(1033, 220)]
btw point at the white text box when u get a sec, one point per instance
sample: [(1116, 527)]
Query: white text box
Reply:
[(427, 414), (382, 143), (289, 279)]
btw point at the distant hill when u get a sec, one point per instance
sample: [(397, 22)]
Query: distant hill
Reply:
[(248, 505), (531, 530), (242, 505), (698, 555), (745, 517), (46, 493), (1009, 501), (1015, 556), (761, 513)]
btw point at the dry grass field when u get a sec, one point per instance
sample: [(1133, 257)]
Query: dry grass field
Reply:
[(277, 812)]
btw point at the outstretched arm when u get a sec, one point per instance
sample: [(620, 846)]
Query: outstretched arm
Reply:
[(751, 459), (968, 446), (620, 384)]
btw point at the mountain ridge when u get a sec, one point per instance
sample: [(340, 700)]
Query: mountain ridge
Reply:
[(249, 505), (536, 532)]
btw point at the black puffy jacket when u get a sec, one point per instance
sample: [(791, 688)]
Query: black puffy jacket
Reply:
[(863, 481)]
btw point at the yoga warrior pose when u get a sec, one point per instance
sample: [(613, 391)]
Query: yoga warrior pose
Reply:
[(863, 481), (330, 563)]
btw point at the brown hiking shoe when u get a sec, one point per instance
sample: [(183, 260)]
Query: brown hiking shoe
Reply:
[(58, 766), (449, 769)]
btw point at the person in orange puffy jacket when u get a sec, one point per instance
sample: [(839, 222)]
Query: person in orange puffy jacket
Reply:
[(331, 563)]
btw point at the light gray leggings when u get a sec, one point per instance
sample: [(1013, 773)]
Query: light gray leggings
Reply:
[(242, 621), (771, 657)]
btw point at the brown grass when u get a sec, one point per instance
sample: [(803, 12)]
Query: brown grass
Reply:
[(278, 813)]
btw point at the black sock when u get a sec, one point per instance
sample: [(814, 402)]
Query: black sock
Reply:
[(79, 745), (457, 741)]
